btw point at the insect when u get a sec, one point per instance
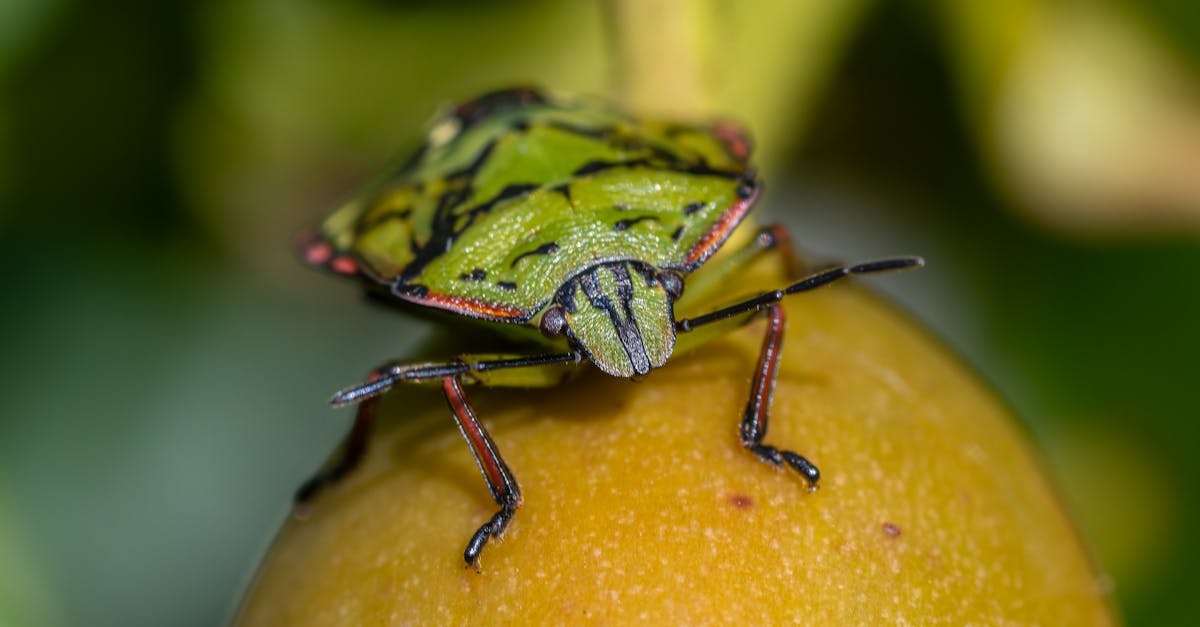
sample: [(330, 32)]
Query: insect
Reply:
[(576, 228)]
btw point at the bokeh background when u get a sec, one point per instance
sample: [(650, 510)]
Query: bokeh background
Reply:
[(166, 358)]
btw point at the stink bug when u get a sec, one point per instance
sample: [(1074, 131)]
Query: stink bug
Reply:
[(576, 226)]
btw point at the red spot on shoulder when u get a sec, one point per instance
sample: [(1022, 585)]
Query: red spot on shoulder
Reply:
[(344, 265), (891, 529), (734, 137), (318, 252)]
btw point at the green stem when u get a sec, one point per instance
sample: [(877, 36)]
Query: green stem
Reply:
[(660, 55)]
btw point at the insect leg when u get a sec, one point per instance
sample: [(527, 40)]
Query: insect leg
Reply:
[(716, 274), (782, 241), (810, 282), (489, 370), (500, 480), (352, 452), (753, 428), (483, 369)]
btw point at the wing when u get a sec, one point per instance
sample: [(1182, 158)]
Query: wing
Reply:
[(515, 192), (512, 264)]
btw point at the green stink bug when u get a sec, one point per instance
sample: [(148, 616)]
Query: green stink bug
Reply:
[(575, 227)]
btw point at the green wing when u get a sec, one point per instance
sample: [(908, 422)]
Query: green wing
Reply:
[(516, 191)]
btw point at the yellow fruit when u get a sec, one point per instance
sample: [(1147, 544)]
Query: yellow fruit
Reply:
[(642, 506)]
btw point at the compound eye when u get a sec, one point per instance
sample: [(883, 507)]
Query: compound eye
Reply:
[(672, 282), (554, 322)]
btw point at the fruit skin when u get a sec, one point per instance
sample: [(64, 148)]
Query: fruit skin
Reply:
[(642, 506)]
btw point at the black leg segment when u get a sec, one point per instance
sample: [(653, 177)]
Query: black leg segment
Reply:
[(758, 408), (471, 369), (810, 282), (754, 421), (387, 376)]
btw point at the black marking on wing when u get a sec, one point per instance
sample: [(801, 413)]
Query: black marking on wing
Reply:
[(746, 186), (415, 290), (445, 229), (473, 167), (478, 274), (601, 133), (677, 233), (674, 130), (544, 249), (447, 222), (440, 240), (665, 155), (700, 168), (442, 223), (592, 167), (474, 111), (412, 162), (442, 237), (455, 197), (621, 225), (510, 191), (565, 190), (693, 207), (381, 218), (507, 286)]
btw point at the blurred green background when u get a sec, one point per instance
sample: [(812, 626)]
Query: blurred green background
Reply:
[(167, 358)]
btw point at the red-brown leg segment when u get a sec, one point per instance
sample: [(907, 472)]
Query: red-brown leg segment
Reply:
[(758, 408), (353, 450), (499, 478), (781, 240), (754, 422), (386, 376)]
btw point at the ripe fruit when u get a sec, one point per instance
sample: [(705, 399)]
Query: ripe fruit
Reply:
[(641, 504)]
